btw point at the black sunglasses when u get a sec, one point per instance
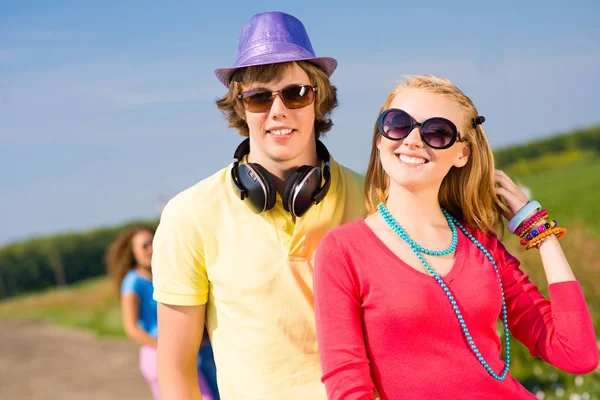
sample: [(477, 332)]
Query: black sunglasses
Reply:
[(438, 133), (294, 96)]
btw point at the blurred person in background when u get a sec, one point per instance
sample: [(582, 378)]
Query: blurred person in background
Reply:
[(128, 261)]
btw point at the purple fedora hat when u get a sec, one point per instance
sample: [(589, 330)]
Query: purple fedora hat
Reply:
[(274, 37)]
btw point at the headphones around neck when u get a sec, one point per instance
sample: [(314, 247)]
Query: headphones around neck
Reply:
[(253, 182)]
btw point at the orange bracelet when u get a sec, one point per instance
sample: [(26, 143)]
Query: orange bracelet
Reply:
[(558, 231)]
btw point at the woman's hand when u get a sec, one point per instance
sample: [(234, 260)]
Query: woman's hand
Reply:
[(510, 192)]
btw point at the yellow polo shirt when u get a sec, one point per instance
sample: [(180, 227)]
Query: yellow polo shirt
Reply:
[(255, 272)]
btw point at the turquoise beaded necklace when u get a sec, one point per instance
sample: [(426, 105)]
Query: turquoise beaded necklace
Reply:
[(419, 251)]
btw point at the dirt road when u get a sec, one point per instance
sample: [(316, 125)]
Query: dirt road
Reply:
[(44, 362)]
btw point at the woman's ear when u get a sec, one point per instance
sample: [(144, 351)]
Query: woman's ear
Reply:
[(463, 156), (378, 142)]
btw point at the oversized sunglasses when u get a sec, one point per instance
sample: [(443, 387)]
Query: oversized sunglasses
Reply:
[(294, 96), (437, 133)]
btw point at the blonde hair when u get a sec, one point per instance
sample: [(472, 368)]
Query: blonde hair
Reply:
[(325, 99), (468, 192)]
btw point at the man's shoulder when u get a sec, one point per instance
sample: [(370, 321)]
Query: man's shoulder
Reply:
[(354, 183), (200, 203), (205, 193), (352, 176)]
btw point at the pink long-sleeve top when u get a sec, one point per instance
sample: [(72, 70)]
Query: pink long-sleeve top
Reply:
[(382, 325)]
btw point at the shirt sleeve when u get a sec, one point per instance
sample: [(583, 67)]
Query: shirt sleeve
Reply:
[(129, 284), (559, 330), (346, 368), (178, 267)]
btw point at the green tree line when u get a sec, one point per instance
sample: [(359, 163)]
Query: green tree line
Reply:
[(55, 261), (582, 140)]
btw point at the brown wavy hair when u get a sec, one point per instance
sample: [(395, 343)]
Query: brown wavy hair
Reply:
[(119, 258), (468, 192), (325, 96)]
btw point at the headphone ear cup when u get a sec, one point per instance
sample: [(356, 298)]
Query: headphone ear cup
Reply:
[(292, 185), (259, 186)]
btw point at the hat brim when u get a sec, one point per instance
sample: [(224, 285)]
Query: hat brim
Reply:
[(327, 64)]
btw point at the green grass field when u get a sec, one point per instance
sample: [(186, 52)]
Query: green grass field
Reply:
[(570, 193), (91, 305)]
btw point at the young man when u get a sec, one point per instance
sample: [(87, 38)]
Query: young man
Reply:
[(237, 248)]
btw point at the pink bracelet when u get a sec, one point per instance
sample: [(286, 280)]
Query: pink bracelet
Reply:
[(530, 222)]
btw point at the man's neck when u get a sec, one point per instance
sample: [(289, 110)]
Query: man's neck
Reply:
[(281, 170)]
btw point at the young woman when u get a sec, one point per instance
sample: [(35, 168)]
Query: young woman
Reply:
[(128, 260), (407, 299)]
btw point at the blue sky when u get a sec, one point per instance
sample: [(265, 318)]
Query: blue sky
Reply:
[(106, 107)]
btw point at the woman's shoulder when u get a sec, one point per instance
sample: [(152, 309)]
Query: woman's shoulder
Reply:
[(481, 236), (491, 241), (129, 282), (344, 240), (348, 231)]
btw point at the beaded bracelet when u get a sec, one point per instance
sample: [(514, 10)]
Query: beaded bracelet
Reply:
[(559, 232), (522, 230), (533, 232), (527, 236), (531, 228)]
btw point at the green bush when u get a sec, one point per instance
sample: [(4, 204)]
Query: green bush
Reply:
[(58, 260), (585, 140)]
